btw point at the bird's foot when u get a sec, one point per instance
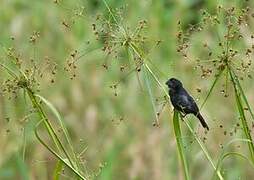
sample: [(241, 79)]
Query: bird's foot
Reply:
[(182, 115)]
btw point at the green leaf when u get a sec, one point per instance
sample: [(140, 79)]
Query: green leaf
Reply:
[(243, 94), (60, 120), (239, 103), (180, 146), (148, 85), (63, 160)]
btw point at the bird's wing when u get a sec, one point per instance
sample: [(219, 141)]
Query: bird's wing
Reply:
[(187, 104), (193, 105)]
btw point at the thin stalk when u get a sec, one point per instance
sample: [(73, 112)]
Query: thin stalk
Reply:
[(211, 89), (208, 157)]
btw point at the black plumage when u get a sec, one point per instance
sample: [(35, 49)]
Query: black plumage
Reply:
[(182, 101)]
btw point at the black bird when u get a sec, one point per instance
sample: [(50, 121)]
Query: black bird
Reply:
[(182, 101)]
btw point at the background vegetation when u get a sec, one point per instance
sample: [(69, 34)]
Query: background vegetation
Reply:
[(76, 55)]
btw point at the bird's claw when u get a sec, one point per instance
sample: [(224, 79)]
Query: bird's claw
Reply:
[(182, 115)]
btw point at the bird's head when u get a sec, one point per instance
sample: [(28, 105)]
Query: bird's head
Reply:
[(174, 84)]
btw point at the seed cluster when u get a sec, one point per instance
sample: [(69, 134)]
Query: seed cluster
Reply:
[(226, 42), (125, 44), (115, 36), (73, 13), (24, 73), (71, 64)]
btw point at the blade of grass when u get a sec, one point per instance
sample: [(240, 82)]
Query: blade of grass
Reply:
[(180, 146), (242, 114), (64, 161), (243, 94), (43, 117), (58, 116), (211, 89), (51, 131), (245, 125), (148, 85), (60, 120)]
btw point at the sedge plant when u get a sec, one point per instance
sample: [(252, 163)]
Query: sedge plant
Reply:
[(26, 78), (117, 38), (227, 57)]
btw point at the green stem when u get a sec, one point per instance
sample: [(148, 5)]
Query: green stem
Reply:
[(204, 151), (211, 89)]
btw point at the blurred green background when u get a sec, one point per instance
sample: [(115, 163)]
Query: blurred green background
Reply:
[(116, 131)]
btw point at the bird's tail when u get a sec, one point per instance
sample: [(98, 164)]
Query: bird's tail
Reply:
[(201, 119)]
